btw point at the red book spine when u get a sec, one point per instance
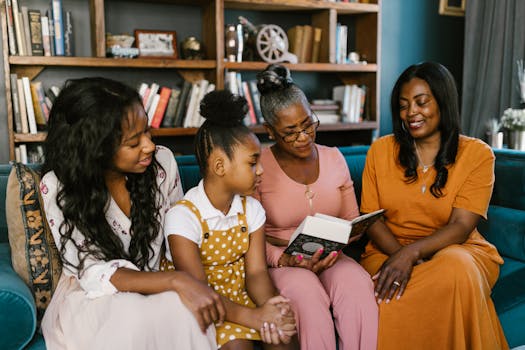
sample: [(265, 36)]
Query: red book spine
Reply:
[(161, 107)]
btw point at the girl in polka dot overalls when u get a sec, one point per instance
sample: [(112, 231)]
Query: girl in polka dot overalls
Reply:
[(216, 232)]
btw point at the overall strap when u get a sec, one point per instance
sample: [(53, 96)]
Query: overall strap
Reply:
[(194, 210), (242, 216)]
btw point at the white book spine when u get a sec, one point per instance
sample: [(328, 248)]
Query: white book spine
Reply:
[(23, 153), (22, 102), (153, 107), (29, 106)]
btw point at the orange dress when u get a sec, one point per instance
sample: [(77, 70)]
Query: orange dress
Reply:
[(447, 303)]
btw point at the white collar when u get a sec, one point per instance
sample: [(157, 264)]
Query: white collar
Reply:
[(207, 210)]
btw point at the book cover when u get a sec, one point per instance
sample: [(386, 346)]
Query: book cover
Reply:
[(328, 232), (192, 105), (164, 96), (256, 99), (251, 107), (152, 108), (40, 117), (35, 32), (316, 45), (307, 44)]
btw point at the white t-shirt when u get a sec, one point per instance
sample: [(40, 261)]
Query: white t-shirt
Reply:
[(180, 220)]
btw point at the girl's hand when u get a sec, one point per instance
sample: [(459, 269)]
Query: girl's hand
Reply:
[(394, 274), (277, 321), (201, 300), (314, 264)]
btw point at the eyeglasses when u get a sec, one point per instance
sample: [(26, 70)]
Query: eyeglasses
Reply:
[(308, 130)]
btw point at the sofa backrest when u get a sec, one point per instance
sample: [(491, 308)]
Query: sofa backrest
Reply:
[(5, 169), (509, 189)]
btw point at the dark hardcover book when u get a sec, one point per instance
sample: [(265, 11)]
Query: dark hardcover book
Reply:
[(16, 103), (171, 109), (328, 232), (35, 32), (181, 107), (51, 26), (69, 42)]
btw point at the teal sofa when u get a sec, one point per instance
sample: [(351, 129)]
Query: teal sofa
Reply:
[(505, 228)]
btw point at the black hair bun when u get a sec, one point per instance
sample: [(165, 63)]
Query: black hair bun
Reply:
[(221, 107), (275, 77)]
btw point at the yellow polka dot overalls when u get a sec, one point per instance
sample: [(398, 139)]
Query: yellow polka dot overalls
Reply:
[(222, 256)]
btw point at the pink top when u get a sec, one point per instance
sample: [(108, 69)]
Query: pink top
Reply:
[(286, 202)]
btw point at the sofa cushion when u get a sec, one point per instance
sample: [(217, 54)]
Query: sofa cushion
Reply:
[(505, 228), (509, 189), (189, 171), (5, 169), (33, 252)]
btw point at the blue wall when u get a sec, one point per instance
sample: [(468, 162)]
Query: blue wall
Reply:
[(412, 31)]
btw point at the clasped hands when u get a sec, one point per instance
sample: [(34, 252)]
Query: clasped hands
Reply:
[(393, 276)]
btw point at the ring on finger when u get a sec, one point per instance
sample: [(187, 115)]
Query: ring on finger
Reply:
[(396, 283)]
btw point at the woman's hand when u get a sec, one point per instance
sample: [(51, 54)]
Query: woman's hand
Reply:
[(314, 264), (277, 321), (394, 274), (200, 299)]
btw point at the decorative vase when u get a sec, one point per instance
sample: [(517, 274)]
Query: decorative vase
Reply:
[(517, 139)]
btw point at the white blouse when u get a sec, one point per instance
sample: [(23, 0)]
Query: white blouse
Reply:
[(96, 274)]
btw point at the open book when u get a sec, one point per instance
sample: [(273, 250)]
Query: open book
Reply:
[(328, 232)]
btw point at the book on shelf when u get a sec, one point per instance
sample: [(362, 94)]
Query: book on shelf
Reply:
[(328, 232), (256, 99), (19, 28), (26, 32), (35, 32), (51, 27), (58, 24), (29, 105), (182, 105), (69, 43), (14, 101), (171, 108), (39, 104), (251, 118), (305, 54), (295, 36), (23, 109), (153, 106), (316, 45), (150, 95), (46, 38), (10, 28), (164, 96)]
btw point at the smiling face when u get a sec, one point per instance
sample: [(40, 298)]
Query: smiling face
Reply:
[(419, 110), (243, 172), (296, 124), (136, 150)]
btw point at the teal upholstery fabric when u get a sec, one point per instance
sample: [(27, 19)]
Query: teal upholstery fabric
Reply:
[(509, 189), (5, 169), (18, 309)]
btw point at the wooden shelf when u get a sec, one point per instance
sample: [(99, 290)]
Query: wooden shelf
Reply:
[(301, 5), (111, 62), (39, 137), (304, 67)]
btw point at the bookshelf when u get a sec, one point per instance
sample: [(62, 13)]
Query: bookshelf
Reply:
[(211, 17)]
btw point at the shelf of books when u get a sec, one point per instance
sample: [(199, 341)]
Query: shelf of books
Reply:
[(324, 35)]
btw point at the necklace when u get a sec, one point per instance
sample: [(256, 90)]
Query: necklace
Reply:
[(309, 194), (425, 169)]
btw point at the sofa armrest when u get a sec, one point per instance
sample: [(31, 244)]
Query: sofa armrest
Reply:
[(17, 306)]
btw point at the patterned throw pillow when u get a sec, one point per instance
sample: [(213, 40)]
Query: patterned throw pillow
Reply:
[(33, 252)]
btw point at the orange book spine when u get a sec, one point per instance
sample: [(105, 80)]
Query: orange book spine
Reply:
[(165, 93)]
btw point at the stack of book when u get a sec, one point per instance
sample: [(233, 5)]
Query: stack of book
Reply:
[(174, 107), (33, 33), (305, 42), (352, 99), (248, 89)]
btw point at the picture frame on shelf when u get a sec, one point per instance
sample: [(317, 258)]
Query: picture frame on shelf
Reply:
[(452, 7), (156, 43)]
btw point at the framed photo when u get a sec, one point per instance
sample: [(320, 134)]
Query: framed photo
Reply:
[(452, 7), (156, 43)]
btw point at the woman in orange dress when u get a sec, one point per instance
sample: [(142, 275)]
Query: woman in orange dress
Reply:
[(432, 268)]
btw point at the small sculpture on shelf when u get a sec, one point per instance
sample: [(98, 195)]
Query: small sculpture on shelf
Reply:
[(267, 42), (192, 49), (119, 46)]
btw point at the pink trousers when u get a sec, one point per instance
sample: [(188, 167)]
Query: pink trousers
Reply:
[(344, 291)]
